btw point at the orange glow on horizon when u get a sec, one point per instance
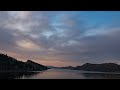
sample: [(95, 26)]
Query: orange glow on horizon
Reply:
[(47, 62)]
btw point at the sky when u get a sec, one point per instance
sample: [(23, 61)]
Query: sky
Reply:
[(61, 38)]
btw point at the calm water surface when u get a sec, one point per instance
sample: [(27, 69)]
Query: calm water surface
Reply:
[(60, 74)]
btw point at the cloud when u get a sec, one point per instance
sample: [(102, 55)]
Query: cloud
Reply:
[(6, 38), (27, 44), (57, 36), (19, 14), (96, 49)]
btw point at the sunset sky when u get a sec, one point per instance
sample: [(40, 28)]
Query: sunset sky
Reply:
[(61, 38)]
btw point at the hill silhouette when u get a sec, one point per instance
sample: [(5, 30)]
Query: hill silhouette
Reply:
[(104, 67), (8, 63)]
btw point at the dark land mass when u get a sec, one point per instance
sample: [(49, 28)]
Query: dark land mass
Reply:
[(105, 67), (68, 67), (9, 64)]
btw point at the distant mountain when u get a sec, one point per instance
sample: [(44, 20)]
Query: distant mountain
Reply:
[(69, 67), (105, 67), (8, 63), (53, 67)]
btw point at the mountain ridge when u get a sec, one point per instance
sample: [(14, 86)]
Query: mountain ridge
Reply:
[(104, 67), (8, 63)]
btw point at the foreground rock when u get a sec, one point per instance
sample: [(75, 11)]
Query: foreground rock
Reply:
[(10, 64)]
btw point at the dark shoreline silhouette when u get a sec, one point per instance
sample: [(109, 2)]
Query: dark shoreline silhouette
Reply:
[(104, 67), (9, 64)]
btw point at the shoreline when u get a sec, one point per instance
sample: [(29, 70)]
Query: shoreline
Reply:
[(20, 71)]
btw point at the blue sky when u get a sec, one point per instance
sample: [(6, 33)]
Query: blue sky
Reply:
[(92, 19), (100, 17), (61, 38)]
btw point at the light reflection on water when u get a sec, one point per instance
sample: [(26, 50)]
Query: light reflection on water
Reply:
[(59, 74)]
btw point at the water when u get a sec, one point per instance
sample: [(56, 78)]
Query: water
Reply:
[(59, 74)]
